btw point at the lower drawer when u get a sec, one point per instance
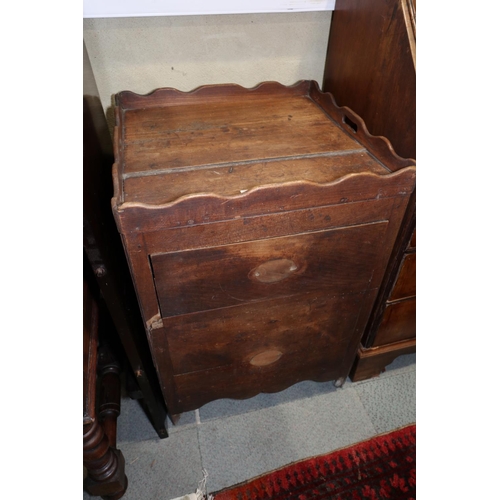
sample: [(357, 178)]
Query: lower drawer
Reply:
[(266, 346), (398, 323), (406, 282), (341, 260)]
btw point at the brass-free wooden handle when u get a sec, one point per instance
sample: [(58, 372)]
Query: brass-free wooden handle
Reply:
[(273, 271)]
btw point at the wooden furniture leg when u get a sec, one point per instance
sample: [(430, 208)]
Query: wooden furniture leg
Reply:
[(104, 464), (109, 400)]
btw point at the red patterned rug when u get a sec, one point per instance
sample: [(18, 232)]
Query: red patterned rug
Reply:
[(383, 467)]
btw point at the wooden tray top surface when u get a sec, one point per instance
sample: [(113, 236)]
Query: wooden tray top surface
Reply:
[(227, 140)]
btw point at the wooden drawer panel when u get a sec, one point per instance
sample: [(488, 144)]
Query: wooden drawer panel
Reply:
[(307, 328), (340, 260), (266, 346), (406, 283), (398, 323)]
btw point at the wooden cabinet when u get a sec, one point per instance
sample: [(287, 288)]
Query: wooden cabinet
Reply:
[(370, 68), (258, 225)]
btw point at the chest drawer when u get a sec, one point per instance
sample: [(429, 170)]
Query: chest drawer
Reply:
[(265, 344), (337, 260), (398, 323), (406, 283)]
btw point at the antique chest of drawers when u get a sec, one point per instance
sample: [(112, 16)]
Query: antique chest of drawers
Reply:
[(257, 224)]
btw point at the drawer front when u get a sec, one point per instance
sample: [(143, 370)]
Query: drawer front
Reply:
[(405, 285), (311, 326), (238, 352), (398, 323), (337, 261)]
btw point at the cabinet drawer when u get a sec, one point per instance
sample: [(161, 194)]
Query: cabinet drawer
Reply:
[(259, 347), (406, 283), (398, 323), (308, 327), (338, 260)]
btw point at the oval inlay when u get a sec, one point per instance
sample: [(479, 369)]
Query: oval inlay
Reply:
[(273, 271), (266, 357)]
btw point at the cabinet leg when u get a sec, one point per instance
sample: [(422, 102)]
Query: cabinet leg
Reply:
[(105, 465), (109, 397), (339, 382), (175, 418)]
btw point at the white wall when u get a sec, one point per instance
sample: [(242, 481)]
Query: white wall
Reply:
[(184, 52), (138, 8)]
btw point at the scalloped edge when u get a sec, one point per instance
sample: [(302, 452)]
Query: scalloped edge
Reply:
[(122, 97), (375, 140), (257, 189), (378, 146)]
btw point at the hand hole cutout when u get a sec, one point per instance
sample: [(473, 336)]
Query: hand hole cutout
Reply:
[(350, 123)]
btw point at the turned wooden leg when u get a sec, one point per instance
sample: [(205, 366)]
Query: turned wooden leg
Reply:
[(110, 393), (105, 465)]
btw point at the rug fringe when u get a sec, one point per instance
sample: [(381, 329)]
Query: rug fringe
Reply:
[(201, 491)]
